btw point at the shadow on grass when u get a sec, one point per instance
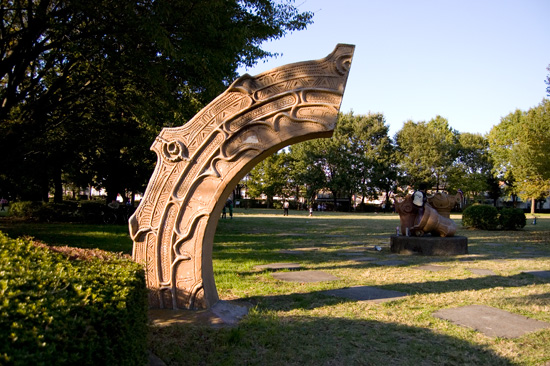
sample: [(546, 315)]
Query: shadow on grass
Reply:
[(263, 339), (315, 299)]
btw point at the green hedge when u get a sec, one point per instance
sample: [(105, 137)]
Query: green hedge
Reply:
[(68, 211), (480, 217), (512, 219), (489, 218), (56, 311)]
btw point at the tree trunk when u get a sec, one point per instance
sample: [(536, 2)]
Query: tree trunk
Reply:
[(45, 189), (58, 186), (533, 203)]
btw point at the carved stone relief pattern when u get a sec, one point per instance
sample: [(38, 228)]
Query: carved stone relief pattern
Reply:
[(173, 227)]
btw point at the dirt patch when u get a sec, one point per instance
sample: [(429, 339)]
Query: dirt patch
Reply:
[(73, 253)]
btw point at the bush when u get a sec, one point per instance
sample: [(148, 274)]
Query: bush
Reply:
[(480, 217), (69, 211), (24, 209), (512, 219), (56, 311), (91, 211), (45, 211)]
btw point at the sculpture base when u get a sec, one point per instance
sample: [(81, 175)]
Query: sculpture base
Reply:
[(429, 245)]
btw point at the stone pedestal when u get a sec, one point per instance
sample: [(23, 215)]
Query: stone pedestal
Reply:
[(429, 245)]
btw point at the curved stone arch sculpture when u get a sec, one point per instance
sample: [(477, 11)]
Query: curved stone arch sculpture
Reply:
[(199, 163)]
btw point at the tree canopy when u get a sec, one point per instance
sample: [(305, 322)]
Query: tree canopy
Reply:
[(357, 159), (520, 146), (427, 151), (87, 85), (472, 170)]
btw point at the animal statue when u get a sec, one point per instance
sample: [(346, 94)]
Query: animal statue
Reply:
[(417, 223)]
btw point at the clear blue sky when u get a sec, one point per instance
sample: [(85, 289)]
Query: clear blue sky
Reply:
[(470, 61)]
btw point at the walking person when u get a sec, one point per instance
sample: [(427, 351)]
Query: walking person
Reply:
[(285, 208)]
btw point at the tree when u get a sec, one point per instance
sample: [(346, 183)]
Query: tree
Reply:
[(372, 153), (306, 173), (69, 67), (325, 164), (472, 168), (357, 159), (269, 177), (427, 151), (520, 145)]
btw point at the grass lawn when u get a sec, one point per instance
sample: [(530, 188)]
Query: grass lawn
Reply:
[(296, 324)]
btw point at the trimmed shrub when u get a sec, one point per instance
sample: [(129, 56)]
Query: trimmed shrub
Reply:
[(91, 211), (480, 217), (56, 311), (69, 211), (45, 211), (24, 209), (512, 219)]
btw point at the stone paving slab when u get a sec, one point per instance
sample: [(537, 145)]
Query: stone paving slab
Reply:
[(276, 266), (432, 268), (533, 254), (394, 262), (364, 259), (491, 321), (541, 274), (366, 293), (298, 250), (350, 253), (471, 257), (481, 271), (304, 276), (290, 251)]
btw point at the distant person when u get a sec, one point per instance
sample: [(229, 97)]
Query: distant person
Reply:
[(285, 208), (3, 203), (230, 206), (311, 210)]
